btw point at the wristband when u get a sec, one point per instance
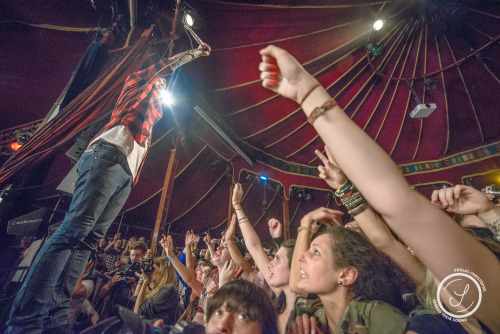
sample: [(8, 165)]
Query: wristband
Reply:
[(302, 228), (169, 259), (321, 110)]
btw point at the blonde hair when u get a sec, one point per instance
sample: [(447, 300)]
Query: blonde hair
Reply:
[(166, 275), (427, 290)]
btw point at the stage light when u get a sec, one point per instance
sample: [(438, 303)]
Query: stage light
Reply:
[(377, 25), (263, 179), (375, 49), (188, 19), (15, 146), (166, 97)]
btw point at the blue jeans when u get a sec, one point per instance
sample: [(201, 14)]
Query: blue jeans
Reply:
[(103, 185)]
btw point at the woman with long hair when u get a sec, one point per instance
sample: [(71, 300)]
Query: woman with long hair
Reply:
[(351, 277), (276, 271), (432, 235), (156, 293)]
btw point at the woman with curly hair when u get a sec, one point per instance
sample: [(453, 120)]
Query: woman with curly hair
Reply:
[(351, 277), (156, 293)]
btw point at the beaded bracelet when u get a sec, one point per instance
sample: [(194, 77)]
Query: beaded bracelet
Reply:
[(347, 188), (302, 228), (359, 209), (321, 110)]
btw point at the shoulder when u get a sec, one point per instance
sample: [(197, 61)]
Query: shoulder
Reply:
[(375, 316)]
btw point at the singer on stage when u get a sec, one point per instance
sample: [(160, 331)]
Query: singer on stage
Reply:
[(106, 172)]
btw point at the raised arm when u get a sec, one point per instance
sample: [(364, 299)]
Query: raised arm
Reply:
[(238, 258), (188, 241), (210, 246), (434, 237), (371, 224), (252, 241), (108, 247), (187, 275)]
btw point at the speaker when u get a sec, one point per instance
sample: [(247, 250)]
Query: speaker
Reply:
[(33, 224)]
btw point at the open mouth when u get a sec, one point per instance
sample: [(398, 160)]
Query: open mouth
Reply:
[(303, 274)]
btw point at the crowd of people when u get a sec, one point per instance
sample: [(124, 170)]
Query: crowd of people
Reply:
[(385, 271)]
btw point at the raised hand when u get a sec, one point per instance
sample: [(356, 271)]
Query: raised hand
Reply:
[(330, 172), (207, 239), (205, 49), (324, 216), (190, 238), (167, 244), (282, 73), (237, 194), (462, 199), (275, 228), (227, 272)]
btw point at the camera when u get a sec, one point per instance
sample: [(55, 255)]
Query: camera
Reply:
[(144, 264), (493, 190)]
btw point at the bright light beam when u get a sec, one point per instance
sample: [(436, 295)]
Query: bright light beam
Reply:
[(377, 25), (167, 98)]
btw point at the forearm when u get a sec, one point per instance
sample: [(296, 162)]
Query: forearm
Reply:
[(301, 245), (252, 240), (182, 58), (105, 289), (140, 297), (491, 219), (108, 247), (238, 257), (186, 274), (189, 258)]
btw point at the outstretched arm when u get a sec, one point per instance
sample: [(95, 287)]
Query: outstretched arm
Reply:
[(235, 253), (252, 240), (434, 237), (187, 275), (371, 224)]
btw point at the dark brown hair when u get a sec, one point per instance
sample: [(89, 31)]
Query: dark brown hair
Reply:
[(376, 273), (139, 245), (245, 297)]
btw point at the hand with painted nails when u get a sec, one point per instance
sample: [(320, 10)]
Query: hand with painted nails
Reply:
[(237, 194), (462, 199), (304, 324), (283, 74)]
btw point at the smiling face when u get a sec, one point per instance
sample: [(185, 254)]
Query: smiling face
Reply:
[(236, 322), (319, 274), (279, 269)]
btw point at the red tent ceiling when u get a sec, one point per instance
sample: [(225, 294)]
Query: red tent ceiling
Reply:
[(419, 40)]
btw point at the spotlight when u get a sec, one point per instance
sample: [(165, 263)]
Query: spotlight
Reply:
[(377, 25), (166, 97), (15, 146), (188, 19), (263, 179)]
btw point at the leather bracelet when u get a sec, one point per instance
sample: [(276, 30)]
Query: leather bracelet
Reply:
[(321, 110)]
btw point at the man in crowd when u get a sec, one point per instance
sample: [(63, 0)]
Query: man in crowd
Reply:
[(106, 172)]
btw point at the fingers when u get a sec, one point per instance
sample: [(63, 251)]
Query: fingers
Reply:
[(323, 158), (330, 157), (300, 324), (305, 322)]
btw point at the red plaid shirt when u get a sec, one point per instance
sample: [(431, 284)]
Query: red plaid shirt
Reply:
[(138, 108)]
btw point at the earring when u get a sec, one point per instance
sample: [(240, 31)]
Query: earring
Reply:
[(339, 282)]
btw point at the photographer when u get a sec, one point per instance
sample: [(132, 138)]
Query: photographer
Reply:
[(120, 287), (156, 294)]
